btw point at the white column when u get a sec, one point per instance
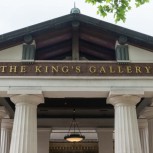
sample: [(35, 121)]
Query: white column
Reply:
[(148, 114), (24, 134), (2, 114), (6, 130), (143, 130), (43, 140), (150, 130), (105, 140), (127, 138)]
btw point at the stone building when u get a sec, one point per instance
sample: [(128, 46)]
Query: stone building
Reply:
[(103, 71)]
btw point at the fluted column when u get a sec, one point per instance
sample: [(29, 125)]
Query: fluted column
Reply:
[(148, 114), (143, 130), (2, 114), (6, 130), (127, 139), (150, 130), (24, 134)]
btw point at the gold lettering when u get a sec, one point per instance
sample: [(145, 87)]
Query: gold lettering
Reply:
[(129, 69), (23, 69), (38, 69), (54, 69), (92, 69), (148, 68), (120, 69), (111, 69), (138, 69), (102, 70), (65, 69), (3, 68), (13, 69), (46, 69), (77, 69)]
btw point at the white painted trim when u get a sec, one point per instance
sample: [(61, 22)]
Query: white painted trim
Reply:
[(75, 87)]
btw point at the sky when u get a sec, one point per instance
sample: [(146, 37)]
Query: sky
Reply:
[(16, 14)]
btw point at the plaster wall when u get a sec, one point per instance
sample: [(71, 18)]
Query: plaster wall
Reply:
[(135, 54), (105, 140), (140, 55), (43, 140), (11, 54)]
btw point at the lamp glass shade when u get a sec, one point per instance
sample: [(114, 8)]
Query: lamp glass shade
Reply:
[(74, 137)]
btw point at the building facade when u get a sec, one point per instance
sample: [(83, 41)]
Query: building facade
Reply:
[(103, 71)]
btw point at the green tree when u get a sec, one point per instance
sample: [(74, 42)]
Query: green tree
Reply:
[(117, 7)]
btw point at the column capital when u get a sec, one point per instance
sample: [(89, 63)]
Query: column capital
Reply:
[(2, 112), (7, 123), (27, 99), (124, 96), (127, 100), (147, 113)]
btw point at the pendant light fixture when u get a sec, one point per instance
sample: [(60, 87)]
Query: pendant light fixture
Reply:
[(74, 134)]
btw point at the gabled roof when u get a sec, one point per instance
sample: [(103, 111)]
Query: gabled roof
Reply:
[(94, 34)]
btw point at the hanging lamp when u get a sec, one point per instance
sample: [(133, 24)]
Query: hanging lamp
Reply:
[(74, 134)]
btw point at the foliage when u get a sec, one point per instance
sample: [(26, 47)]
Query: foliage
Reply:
[(118, 7)]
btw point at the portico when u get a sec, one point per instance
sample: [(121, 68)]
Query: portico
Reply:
[(122, 125), (103, 71)]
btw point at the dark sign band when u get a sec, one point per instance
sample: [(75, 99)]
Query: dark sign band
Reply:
[(75, 69)]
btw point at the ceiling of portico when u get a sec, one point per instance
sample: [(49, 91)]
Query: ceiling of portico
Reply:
[(90, 112), (85, 108)]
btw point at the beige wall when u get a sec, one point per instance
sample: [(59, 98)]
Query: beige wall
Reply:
[(135, 54), (105, 140), (43, 140), (140, 55), (13, 53)]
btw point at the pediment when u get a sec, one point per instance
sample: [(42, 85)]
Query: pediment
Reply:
[(60, 38)]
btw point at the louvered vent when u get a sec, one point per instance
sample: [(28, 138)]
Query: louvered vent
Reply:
[(122, 53), (28, 52)]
